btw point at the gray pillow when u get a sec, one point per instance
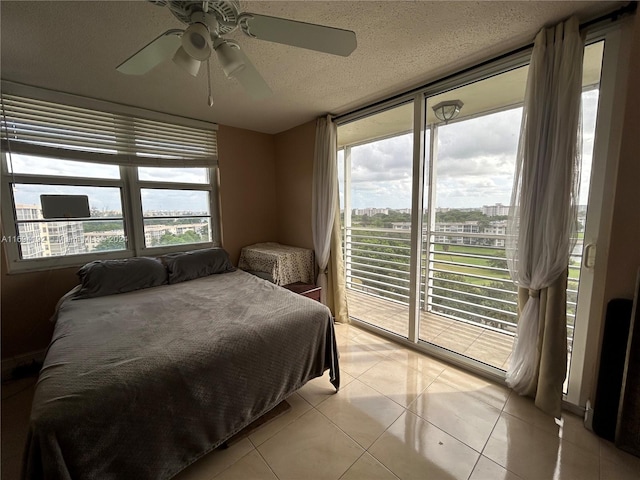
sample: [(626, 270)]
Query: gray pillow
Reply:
[(197, 263), (263, 275), (107, 277)]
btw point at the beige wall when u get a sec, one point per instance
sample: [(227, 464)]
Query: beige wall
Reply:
[(249, 215), (27, 303), (247, 188), (294, 175)]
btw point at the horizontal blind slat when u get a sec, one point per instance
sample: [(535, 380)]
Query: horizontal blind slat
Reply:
[(133, 140), (108, 158), (38, 126), (106, 122)]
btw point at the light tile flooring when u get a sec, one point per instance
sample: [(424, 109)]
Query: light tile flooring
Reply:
[(399, 414), (488, 346)]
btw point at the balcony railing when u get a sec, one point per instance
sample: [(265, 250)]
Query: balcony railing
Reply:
[(464, 275)]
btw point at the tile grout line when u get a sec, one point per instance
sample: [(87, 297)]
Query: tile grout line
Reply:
[(263, 459), (366, 450)]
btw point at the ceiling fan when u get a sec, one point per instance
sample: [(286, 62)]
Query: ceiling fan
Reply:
[(210, 20)]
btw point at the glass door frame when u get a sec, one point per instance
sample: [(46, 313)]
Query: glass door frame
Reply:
[(587, 329)]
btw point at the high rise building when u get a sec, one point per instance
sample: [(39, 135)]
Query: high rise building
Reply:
[(47, 239), (496, 210)]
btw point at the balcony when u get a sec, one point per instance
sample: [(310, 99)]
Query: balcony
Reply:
[(468, 303), (492, 348)]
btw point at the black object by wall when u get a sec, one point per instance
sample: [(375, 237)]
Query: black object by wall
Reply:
[(612, 359)]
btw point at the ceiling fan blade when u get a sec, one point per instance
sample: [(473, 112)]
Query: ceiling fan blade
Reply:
[(299, 34), (158, 50), (251, 79)]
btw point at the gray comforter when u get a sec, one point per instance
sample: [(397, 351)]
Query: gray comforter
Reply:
[(140, 385)]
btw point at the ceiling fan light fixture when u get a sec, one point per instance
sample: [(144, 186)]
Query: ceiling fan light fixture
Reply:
[(230, 57), (447, 110), (187, 62), (196, 41)]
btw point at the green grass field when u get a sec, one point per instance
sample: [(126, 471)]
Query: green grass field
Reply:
[(473, 266), (487, 252), (476, 266)]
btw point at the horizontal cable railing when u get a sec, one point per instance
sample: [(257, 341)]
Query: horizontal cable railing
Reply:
[(464, 275)]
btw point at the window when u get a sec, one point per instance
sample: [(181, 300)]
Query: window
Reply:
[(151, 185), (440, 210), (175, 216)]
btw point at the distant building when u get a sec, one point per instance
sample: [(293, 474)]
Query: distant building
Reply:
[(456, 227), (497, 210), (65, 238), (47, 239), (55, 239), (31, 234), (496, 228), (370, 211), (153, 233), (401, 225)]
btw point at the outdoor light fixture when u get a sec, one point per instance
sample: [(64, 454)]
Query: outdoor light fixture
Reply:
[(447, 110)]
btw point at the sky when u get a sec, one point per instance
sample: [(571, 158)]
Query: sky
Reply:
[(108, 198), (475, 167), (475, 163)]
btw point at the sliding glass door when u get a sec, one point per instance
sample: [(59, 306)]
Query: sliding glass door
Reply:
[(465, 302), (469, 301), (377, 157)]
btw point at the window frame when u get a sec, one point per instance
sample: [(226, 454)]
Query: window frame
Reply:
[(584, 352), (138, 224), (129, 185)]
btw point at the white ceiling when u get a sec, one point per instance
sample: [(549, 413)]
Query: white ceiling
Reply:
[(75, 46)]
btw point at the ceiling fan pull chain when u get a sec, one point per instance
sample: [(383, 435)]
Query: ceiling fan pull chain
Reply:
[(210, 98)]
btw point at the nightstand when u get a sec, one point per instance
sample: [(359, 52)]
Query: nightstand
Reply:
[(305, 289)]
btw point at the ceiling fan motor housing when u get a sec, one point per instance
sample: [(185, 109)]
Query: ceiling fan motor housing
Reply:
[(224, 12)]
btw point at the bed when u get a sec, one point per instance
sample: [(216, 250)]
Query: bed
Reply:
[(142, 384)]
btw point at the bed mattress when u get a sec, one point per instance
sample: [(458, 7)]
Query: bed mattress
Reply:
[(142, 384)]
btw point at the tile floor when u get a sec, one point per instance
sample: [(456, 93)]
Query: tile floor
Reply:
[(399, 414)]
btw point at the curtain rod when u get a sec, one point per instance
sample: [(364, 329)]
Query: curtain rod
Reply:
[(628, 9)]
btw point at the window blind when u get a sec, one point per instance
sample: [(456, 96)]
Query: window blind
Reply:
[(41, 127)]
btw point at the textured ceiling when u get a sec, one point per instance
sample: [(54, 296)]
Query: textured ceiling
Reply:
[(75, 46)]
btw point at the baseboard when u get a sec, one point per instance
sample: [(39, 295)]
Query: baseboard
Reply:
[(575, 409), (10, 364)]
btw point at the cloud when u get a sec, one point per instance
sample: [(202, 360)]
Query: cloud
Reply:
[(61, 168), (480, 146), (475, 164), (108, 198), (100, 198), (385, 160), (186, 175), (174, 200)]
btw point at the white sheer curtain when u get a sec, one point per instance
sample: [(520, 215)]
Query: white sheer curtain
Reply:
[(324, 195), (542, 221)]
